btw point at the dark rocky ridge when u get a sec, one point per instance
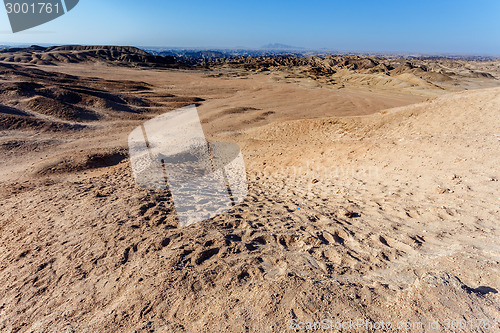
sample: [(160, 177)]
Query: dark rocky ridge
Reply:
[(117, 55)]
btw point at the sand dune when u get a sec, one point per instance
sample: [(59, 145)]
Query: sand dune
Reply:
[(33, 98), (360, 205)]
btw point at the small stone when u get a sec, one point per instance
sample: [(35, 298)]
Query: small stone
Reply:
[(347, 213), (441, 190)]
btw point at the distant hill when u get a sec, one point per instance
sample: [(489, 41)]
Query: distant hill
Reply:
[(118, 55), (278, 46)]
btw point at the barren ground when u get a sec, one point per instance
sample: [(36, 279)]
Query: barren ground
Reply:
[(365, 202)]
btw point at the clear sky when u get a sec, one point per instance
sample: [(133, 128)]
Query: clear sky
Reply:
[(428, 26)]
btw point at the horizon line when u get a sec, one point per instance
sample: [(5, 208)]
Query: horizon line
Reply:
[(292, 48)]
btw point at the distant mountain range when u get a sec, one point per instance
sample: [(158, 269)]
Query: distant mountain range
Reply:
[(278, 46), (186, 58)]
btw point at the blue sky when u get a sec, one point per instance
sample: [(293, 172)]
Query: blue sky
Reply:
[(451, 26)]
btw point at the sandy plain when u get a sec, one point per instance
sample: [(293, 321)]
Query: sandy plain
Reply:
[(366, 202)]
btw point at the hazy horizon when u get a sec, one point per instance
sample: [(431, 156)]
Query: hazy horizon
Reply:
[(298, 48)]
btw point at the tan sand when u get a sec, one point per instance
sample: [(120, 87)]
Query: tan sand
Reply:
[(360, 207)]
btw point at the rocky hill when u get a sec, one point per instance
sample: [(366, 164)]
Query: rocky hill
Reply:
[(117, 55)]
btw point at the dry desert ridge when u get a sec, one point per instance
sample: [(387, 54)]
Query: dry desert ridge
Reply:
[(373, 195)]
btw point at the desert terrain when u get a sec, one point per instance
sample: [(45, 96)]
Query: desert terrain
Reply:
[(373, 195)]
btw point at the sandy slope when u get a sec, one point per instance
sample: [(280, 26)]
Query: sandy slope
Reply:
[(382, 215)]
